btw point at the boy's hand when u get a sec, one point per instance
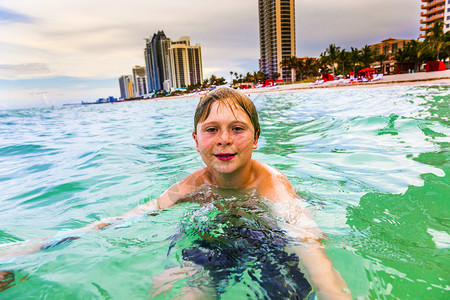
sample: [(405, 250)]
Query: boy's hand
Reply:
[(6, 280)]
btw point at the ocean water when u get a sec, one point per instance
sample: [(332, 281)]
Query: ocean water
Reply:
[(372, 163)]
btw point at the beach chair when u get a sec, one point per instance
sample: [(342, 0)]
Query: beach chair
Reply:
[(318, 81), (377, 77)]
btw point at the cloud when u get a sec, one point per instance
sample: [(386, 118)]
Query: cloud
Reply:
[(104, 39), (23, 70), (353, 23)]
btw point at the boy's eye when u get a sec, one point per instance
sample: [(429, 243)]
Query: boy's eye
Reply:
[(238, 128), (210, 129)]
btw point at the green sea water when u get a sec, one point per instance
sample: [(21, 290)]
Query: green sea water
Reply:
[(372, 163)]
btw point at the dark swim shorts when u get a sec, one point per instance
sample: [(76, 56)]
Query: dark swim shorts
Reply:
[(232, 246)]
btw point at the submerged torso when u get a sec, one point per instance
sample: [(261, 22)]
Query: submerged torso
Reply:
[(238, 239)]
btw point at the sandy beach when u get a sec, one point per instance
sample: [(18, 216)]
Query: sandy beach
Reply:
[(441, 77)]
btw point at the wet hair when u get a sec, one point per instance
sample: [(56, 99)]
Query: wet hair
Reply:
[(231, 98)]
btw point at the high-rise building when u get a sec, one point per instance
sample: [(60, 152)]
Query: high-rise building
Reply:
[(171, 64), (277, 36), (185, 63), (139, 81), (432, 11), (447, 16), (156, 66), (126, 86), (140, 86)]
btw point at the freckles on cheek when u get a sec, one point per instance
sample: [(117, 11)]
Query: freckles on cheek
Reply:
[(244, 141), (203, 144)]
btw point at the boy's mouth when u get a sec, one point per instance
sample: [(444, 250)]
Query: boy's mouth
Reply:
[(225, 156)]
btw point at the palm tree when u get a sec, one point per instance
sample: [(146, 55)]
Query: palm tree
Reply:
[(249, 77), (213, 79), (300, 67), (231, 74), (367, 56), (307, 66), (402, 58), (323, 63), (205, 83), (355, 57), (344, 59), (333, 54), (382, 58), (436, 41), (291, 63), (418, 53), (446, 49), (260, 76)]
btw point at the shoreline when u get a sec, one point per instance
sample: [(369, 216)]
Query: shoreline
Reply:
[(439, 77)]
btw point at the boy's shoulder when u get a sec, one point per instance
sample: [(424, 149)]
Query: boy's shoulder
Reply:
[(272, 183), (198, 178), (266, 169)]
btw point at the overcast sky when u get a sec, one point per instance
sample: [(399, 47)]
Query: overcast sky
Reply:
[(65, 51)]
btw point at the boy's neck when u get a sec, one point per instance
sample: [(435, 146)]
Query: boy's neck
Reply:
[(240, 179)]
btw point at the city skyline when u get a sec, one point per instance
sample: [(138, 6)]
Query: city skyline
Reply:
[(54, 53)]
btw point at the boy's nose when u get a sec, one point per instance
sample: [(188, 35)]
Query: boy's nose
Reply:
[(225, 138)]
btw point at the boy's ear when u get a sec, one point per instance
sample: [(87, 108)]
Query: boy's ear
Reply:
[(194, 135), (255, 141)]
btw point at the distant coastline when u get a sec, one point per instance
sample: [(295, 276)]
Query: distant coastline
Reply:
[(439, 77)]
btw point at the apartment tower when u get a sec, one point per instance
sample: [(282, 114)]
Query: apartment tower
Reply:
[(172, 64), (139, 81), (185, 63), (126, 86), (156, 49), (277, 36), (432, 11)]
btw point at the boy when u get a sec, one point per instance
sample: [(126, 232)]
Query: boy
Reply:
[(226, 130)]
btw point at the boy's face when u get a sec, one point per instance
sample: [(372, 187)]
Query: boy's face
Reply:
[(226, 139)]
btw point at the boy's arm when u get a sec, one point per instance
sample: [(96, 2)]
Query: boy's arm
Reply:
[(17, 249), (167, 199), (326, 280), (299, 223)]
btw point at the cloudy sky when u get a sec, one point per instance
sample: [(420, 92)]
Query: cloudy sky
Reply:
[(65, 51)]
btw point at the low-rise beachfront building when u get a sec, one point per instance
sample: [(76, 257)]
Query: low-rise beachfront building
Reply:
[(433, 11), (387, 47)]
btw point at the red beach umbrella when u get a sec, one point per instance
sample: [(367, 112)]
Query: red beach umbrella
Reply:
[(366, 70)]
